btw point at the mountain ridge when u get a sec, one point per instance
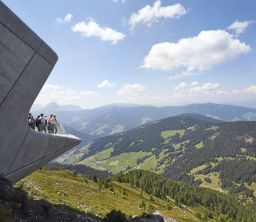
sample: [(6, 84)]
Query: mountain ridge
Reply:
[(180, 148), (112, 119)]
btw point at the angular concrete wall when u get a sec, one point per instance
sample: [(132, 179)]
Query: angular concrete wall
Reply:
[(25, 64)]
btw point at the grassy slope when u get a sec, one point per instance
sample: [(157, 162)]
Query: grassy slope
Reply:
[(152, 163), (115, 164), (215, 183), (126, 161), (215, 180), (62, 187), (169, 133), (200, 145)]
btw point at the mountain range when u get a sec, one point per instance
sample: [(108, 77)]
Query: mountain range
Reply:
[(113, 119), (198, 146), (190, 148)]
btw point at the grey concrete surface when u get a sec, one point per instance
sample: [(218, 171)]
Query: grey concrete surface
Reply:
[(25, 64)]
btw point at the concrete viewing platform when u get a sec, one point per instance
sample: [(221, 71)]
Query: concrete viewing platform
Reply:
[(25, 64)]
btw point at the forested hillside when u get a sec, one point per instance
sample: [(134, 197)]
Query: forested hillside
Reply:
[(135, 193), (190, 148), (223, 207)]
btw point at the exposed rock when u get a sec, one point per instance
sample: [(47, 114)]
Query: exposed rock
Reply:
[(15, 206), (149, 218)]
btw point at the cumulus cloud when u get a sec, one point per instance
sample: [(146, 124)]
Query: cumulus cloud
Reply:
[(181, 75), (239, 27), (210, 91), (66, 19), (131, 90), (116, 1), (207, 49), (149, 14), (63, 95), (92, 29), (106, 84), (247, 91), (184, 89), (251, 89)]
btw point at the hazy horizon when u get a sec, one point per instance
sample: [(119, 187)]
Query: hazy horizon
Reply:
[(38, 106)]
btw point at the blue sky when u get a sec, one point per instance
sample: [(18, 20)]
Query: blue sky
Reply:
[(146, 52)]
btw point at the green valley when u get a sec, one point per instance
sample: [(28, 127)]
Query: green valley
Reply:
[(189, 148)]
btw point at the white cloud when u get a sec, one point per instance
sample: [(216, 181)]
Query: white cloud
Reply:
[(63, 95), (150, 14), (247, 91), (181, 75), (106, 84), (116, 1), (184, 92), (131, 90), (184, 89), (251, 89), (92, 29), (207, 49), (66, 19), (239, 27)]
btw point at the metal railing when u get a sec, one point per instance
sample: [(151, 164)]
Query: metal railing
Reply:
[(60, 129)]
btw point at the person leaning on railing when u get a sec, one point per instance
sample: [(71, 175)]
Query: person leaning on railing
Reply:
[(42, 123), (52, 124), (50, 127)]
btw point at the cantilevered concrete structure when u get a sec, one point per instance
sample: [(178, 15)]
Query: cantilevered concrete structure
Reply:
[(25, 64)]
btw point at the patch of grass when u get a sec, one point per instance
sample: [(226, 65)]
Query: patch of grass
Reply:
[(169, 133), (96, 160), (200, 145), (62, 187), (149, 164), (214, 136), (152, 163), (198, 168), (179, 145), (213, 128), (250, 158), (73, 156), (215, 183), (105, 154), (243, 150), (201, 167), (115, 164), (193, 128), (124, 161)]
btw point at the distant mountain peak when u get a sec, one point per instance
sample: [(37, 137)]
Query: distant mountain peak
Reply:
[(199, 117)]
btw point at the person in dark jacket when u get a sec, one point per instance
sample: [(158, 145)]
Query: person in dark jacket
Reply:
[(37, 121), (31, 121)]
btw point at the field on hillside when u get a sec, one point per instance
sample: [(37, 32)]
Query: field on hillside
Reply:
[(63, 187)]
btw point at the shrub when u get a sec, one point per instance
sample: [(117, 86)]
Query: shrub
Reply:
[(115, 216)]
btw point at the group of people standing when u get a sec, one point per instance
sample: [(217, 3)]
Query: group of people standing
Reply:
[(43, 124)]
